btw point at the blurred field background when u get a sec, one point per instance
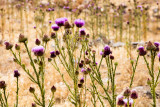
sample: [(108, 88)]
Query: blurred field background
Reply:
[(13, 26)]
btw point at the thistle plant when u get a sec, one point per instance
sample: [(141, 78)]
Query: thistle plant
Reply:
[(16, 75), (38, 65), (96, 76), (153, 81), (3, 95), (69, 58)]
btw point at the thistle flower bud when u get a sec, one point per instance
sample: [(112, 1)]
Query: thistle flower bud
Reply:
[(141, 51), (16, 73), (57, 52), (88, 70), (150, 46), (46, 38), (8, 45), (80, 65), (34, 105), (53, 35), (111, 57), (2, 84), (82, 80), (53, 54), (67, 25), (31, 89), (93, 51), (17, 47), (49, 59), (127, 92), (53, 89), (80, 85), (87, 61), (22, 38), (77, 73), (134, 94), (37, 42), (148, 81)]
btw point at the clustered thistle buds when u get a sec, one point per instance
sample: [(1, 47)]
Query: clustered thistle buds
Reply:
[(16, 73)]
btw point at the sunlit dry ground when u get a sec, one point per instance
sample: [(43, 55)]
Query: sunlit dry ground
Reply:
[(53, 78)]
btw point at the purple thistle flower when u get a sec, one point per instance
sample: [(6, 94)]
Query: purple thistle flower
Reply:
[(141, 50), (134, 94), (53, 54), (52, 9), (49, 9), (16, 73), (120, 100), (82, 80), (66, 7), (82, 32), (79, 23), (159, 56), (50, 22), (34, 27), (157, 45), (83, 70), (38, 50), (61, 21), (107, 50), (55, 27), (130, 102)]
